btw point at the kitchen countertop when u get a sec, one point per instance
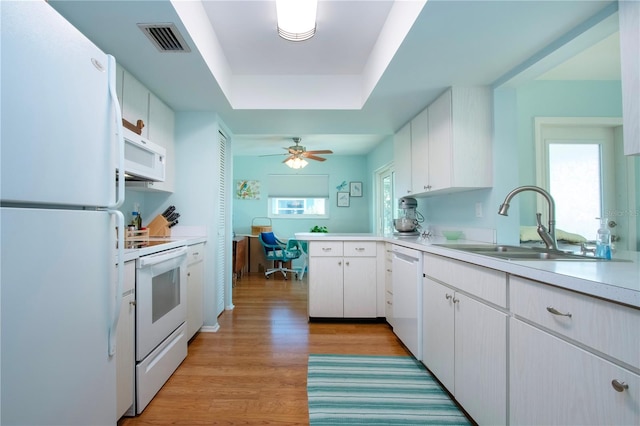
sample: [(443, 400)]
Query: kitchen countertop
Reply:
[(167, 244), (614, 281)]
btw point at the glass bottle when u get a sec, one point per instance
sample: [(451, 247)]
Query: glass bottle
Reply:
[(603, 240)]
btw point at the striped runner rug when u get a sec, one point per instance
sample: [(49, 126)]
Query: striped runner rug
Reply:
[(376, 390)]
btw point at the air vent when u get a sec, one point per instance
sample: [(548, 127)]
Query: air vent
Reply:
[(165, 37)]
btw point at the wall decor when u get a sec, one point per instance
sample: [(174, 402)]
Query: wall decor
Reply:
[(343, 199), (355, 189), (248, 189)]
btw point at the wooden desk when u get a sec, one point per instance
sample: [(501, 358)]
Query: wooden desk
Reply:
[(240, 256)]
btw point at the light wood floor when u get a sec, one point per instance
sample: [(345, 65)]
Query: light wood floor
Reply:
[(254, 369)]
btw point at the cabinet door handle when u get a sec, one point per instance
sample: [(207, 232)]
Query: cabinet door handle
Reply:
[(619, 386), (133, 303), (447, 296), (455, 300), (346, 263), (340, 263), (554, 311)]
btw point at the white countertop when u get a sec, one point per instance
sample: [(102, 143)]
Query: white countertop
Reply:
[(615, 281), (169, 243)]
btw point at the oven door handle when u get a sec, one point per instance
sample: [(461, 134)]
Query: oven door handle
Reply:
[(154, 259)]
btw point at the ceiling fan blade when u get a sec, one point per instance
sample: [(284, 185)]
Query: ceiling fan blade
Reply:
[(313, 157), (272, 155), (322, 151), (291, 157)]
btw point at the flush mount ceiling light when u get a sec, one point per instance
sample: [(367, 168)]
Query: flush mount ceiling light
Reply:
[(296, 162), (296, 19)]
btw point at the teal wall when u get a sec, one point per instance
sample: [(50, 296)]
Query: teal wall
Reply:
[(557, 99), (355, 218)]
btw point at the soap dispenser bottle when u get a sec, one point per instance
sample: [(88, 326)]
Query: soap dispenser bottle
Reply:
[(603, 240)]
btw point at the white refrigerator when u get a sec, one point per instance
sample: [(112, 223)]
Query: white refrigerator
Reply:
[(60, 147)]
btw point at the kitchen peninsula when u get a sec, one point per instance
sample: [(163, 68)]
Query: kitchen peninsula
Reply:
[(513, 341)]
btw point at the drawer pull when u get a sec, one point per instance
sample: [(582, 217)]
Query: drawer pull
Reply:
[(447, 296), (326, 248), (554, 311), (619, 386), (389, 303), (359, 248)]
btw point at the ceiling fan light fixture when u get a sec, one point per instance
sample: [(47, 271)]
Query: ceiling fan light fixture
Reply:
[(296, 163), (296, 19)]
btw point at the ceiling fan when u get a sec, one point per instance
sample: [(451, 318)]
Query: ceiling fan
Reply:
[(299, 151)]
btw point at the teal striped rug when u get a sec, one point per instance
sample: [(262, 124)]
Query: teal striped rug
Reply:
[(376, 390)]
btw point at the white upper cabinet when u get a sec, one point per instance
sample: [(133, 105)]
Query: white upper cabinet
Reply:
[(135, 102), (138, 103), (460, 150), (420, 153), (447, 147), (402, 161), (629, 17)]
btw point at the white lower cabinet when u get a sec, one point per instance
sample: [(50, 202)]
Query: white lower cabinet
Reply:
[(342, 279), (574, 359), (125, 344), (464, 340), (465, 347), (388, 284), (195, 285), (553, 382)]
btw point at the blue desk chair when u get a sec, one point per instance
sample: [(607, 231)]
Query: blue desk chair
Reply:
[(279, 253)]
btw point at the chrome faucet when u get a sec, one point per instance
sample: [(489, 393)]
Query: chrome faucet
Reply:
[(547, 235)]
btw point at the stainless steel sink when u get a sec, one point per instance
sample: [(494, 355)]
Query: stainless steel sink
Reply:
[(507, 252)]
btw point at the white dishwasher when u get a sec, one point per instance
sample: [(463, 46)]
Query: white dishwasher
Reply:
[(407, 297)]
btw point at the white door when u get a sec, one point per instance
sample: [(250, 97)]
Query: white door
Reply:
[(58, 121), (58, 302), (583, 168)]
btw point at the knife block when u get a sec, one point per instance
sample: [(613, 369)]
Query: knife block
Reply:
[(159, 227)]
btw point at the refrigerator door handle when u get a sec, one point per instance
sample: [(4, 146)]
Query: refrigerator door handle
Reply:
[(116, 106), (113, 329)]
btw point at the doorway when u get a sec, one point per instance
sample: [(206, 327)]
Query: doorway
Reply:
[(581, 163)]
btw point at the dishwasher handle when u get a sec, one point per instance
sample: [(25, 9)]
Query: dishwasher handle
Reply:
[(405, 257)]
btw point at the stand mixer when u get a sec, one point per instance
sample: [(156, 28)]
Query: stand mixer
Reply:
[(409, 220)]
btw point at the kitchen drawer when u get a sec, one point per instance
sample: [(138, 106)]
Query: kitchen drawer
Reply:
[(195, 253), (360, 248), (325, 248), (604, 326), (485, 283)]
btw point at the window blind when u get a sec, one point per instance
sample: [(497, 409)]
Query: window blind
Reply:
[(302, 186)]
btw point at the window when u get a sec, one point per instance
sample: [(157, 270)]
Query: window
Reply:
[(298, 196), (299, 207), (384, 200)]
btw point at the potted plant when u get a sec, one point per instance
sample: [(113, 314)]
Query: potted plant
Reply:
[(319, 229)]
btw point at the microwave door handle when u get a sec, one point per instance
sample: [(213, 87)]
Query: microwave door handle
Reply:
[(113, 327), (119, 133)]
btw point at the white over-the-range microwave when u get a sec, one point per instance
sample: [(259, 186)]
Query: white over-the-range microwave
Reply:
[(143, 160)]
